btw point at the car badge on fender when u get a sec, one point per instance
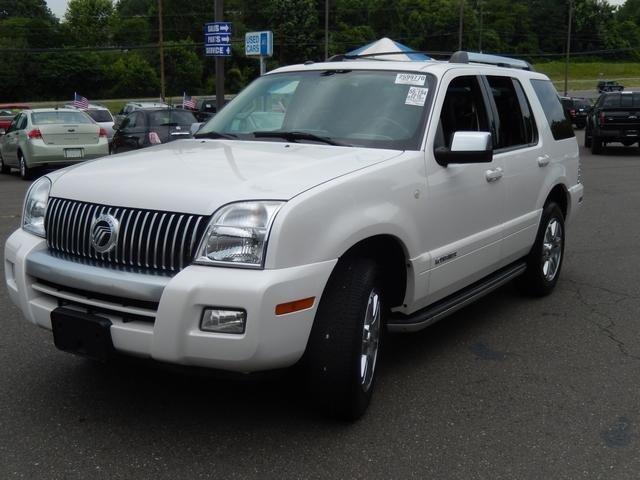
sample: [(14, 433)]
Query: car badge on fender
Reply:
[(104, 233)]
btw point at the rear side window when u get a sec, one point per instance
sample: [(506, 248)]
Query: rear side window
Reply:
[(515, 127), (560, 126), (100, 115), (621, 100)]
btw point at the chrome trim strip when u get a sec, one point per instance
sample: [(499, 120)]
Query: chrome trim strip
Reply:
[(92, 302), (136, 286), (184, 239), (144, 222), (155, 248), (173, 243)]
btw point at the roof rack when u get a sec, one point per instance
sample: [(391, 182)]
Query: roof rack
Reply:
[(345, 56), (472, 57)]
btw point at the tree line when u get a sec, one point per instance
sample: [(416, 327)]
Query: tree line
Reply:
[(110, 50)]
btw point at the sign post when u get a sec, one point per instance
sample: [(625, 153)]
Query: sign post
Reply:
[(259, 44), (217, 43)]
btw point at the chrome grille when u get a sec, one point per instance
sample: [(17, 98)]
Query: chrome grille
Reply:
[(148, 239)]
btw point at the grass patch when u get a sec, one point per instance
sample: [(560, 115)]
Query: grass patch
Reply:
[(585, 75)]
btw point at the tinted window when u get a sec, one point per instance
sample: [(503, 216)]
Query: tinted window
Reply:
[(579, 103), (100, 115), (167, 118), (511, 129), (621, 100), (560, 126), (463, 110), (22, 123), (58, 117)]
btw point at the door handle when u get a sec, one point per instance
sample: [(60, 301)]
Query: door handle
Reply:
[(493, 175), (543, 161)]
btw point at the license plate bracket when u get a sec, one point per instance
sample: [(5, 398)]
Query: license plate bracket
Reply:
[(82, 333), (73, 153)]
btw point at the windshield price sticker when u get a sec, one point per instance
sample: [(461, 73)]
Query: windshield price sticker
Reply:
[(410, 79), (416, 96)]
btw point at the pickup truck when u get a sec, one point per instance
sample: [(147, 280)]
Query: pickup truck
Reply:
[(7, 113), (614, 118), (609, 86)]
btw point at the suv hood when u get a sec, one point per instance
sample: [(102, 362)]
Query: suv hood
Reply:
[(199, 176)]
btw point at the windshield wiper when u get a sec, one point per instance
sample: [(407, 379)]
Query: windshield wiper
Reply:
[(230, 136), (293, 136)]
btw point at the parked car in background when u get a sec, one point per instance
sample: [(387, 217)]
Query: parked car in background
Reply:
[(50, 137), (576, 110), (101, 115), (614, 118), (206, 109), (609, 86), (8, 111), (147, 127), (133, 106)]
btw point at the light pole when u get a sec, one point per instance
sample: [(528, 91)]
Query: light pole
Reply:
[(161, 45), (481, 20), (566, 62), (219, 17)]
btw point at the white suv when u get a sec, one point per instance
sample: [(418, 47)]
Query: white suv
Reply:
[(324, 204)]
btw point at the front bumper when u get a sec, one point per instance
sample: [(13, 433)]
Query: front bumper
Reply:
[(168, 330)]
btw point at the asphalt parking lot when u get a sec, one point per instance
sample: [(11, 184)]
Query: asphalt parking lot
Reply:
[(510, 387)]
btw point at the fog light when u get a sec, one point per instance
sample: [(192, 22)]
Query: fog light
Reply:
[(223, 321)]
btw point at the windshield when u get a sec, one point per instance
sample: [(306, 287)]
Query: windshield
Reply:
[(379, 109), (100, 115), (170, 118), (57, 117)]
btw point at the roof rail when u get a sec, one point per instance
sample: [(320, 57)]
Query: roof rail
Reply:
[(346, 56), (472, 57)]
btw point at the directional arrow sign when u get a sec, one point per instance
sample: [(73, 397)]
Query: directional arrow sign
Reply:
[(218, 27), (217, 39), (217, 50)]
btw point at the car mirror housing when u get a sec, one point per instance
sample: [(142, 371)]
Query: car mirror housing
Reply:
[(2, 131), (466, 147)]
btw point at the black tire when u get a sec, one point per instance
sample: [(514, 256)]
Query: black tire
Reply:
[(596, 145), (5, 169), (536, 281), (587, 138), (334, 351), (627, 143), (25, 172)]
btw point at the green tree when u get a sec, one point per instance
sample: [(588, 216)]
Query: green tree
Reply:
[(87, 22)]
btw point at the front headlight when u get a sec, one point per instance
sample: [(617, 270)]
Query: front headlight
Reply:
[(237, 234), (35, 207)]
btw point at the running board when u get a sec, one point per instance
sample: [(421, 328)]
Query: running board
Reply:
[(399, 322)]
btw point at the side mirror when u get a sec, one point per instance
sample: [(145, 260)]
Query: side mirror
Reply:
[(2, 131), (466, 147)]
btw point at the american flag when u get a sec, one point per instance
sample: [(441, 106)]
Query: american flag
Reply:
[(188, 102), (79, 101)]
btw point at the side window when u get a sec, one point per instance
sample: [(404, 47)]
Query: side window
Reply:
[(511, 126), (530, 127), (463, 110), (560, 127), (22, 123), (133, 120)]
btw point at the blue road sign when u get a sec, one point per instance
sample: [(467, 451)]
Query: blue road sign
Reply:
[(258, 44), (217, 50), (218, 27), (217, 39)]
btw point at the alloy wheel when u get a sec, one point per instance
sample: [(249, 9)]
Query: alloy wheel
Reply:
[(552, 249), (370, 340)]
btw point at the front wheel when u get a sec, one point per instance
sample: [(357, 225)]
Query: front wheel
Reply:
[(587, 138), (344, 344), (545, 259)]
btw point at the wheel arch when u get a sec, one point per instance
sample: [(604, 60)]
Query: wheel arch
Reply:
[(391, 254), (560, 195)]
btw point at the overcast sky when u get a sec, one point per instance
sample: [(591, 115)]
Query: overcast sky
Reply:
[(58, 7)]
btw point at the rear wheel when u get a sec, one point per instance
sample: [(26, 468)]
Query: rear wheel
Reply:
[(344, 344), (545, 259), (4, 168), (596, 145), (25, 171), (587, 138)]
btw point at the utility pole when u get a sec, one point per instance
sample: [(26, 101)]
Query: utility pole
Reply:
[(161, 45), (219, 17), (326, 29), (461, 25), (566, 62), (481, 21)]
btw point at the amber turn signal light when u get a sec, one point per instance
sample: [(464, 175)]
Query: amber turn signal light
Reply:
[(294, 306)]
